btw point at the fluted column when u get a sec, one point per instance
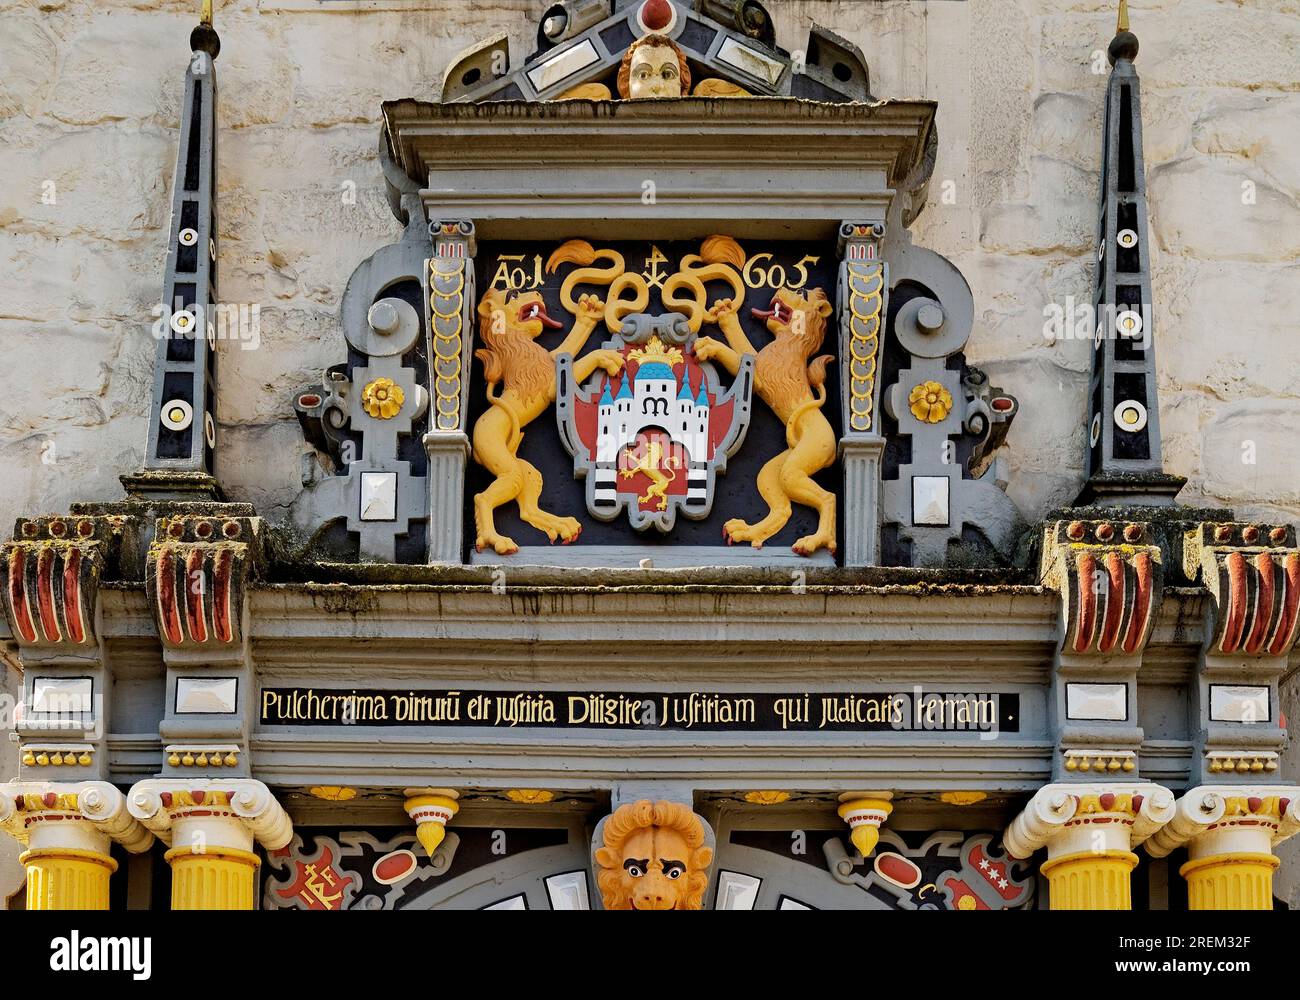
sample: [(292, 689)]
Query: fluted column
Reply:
[(1089, 831), (1230, 832), (69, 830), (211, 827)]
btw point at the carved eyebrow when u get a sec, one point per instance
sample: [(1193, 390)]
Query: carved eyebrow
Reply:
[(670, 865), (642, 863), (511, 293)]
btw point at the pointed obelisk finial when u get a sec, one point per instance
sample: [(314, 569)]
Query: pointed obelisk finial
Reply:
[(181, 447), (1125, 44)]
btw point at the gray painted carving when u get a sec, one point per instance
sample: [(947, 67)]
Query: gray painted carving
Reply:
[(583, 40), (863, 301), (377, 496), (181, 446), (1123, 431)]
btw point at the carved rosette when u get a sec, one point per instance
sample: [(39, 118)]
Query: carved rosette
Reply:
[(1110, 577), (51, 575), (197, 573), (1253, 575)]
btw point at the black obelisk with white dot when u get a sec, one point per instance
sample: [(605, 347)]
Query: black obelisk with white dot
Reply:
[(181, 446), (1124, 462)]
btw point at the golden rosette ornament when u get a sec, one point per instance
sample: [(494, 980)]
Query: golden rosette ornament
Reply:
[(382, 398), (930, 402)]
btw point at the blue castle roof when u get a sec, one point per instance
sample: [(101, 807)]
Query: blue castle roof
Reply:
[(605, 398), (625, 390), (685, 392), (655, 370), (702, 399)]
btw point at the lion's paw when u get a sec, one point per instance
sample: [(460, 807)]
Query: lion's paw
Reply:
[(809, 544), (737, 530), (502, 545)]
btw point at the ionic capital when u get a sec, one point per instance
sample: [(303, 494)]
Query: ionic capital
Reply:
[(1216, 819), (82, 816), (211, 813), (1072, 819)]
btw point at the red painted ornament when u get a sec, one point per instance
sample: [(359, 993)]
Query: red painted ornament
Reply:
[(656, 14)]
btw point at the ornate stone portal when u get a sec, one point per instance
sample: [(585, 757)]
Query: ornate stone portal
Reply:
[(647, 434)]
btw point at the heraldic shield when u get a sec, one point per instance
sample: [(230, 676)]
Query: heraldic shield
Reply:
[(652, 439)]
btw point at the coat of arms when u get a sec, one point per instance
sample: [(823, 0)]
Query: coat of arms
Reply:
[(651, 440), (646, 416)]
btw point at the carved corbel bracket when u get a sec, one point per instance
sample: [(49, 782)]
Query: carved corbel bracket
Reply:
[(431, 809), (198, 571), (652, 856), (51, 572), (1110, 577), (1253, 575)]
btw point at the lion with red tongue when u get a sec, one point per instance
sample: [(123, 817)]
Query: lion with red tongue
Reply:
[(522, 373)]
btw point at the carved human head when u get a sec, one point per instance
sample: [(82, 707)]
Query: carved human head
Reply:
[(653, 66)]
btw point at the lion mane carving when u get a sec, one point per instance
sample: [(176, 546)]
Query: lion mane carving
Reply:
[(523, 374), (794, 389), (653, 858)]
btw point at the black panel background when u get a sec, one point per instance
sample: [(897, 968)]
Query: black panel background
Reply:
[(736, 491)]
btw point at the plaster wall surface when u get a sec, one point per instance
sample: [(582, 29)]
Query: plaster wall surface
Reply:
[(89, 107)]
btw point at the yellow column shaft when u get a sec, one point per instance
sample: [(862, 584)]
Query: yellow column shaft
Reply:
[(1230, 882), (219, 878), (67, 879), (1090, 880)]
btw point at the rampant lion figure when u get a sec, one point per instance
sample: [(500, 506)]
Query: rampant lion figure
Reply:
[(795, 390), (653, 858), (509, 324), (649, 464)]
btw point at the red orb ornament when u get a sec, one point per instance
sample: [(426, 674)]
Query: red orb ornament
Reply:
[(656, 15)]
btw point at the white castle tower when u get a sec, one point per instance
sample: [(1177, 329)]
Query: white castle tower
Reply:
[(654, 398)]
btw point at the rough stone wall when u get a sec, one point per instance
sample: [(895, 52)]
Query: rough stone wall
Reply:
[(89, 102)]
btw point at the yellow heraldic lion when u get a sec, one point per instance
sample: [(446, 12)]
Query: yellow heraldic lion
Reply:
[(521, 384), (653, 858), (795, 390)]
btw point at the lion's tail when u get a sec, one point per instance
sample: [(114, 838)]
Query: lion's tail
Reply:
[(516, 432), (583, 253), (817, 381), (720, 258)]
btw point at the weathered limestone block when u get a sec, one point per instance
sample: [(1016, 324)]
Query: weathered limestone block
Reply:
[(1213, 209), (29, 52), (115, 59), (1059, 216), (1250, 452)]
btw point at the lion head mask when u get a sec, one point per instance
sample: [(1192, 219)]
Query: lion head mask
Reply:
[(653, 858)]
